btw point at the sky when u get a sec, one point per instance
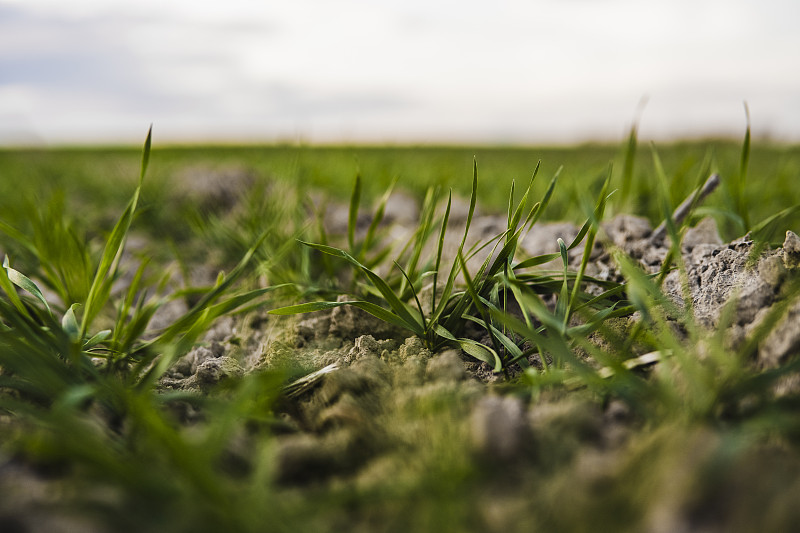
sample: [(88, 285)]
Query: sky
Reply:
[(391, 71)]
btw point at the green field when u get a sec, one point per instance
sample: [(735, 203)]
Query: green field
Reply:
[(96, 175), (602, 405)]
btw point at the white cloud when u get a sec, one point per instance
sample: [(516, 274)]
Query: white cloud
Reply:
[(508, 69)]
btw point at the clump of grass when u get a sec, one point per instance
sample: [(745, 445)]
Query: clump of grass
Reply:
[(695, 376), (88, 399), (47, 356), (488, 293)]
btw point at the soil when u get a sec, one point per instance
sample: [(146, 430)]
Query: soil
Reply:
[(369, 356), (355, 415)]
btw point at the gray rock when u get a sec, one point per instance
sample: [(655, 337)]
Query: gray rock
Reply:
[(623, 230), (715, 274), (772, 270), (791, 250), (783, 341), (705, 232), (755, 294), (632, 235), (543, 239)]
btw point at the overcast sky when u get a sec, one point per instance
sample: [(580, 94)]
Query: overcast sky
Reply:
[(396, 70)]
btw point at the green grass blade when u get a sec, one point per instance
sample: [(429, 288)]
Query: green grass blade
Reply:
[(420, 237), (661, 175), (553, 343), (18, 237), (596, 217), (455, 268), (309, 307), (473, 348), (509, 345), (236, 304), (605, 296), (130, 295), (536, 261), (766, 230), (24, 283), (562, 306), (131, 332), (510, 207), (538, 209), (104, 274), (99, 337), (478, 303), (439, 249), (70, 324), (377, 219), (414, 294), (352, 213), (146, 154), (514, 218), (744, 163), (628, 164), (465, 302), (194, 315), (473, 199), (11, 292)]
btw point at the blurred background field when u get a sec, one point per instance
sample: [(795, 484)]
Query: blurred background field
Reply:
[(98, 180)]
